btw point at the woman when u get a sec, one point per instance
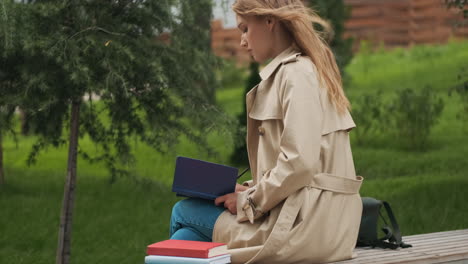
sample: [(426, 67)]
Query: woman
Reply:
[(303, 204)]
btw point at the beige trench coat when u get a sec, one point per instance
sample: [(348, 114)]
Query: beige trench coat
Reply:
[(303, 204)]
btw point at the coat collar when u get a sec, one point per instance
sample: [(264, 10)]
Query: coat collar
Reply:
[(287, 55)]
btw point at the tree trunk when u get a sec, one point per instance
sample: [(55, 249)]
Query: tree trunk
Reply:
[(65, 230), (24, 117), (2, 176)]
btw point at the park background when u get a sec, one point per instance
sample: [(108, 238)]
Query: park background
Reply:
[(409, 100)]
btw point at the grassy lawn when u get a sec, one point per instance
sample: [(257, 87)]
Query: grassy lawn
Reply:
[(113, 223)]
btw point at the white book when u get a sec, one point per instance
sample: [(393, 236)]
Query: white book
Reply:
[(157, 259)]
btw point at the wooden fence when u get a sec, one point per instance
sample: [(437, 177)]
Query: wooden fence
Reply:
[(388, 22), (403, 22)]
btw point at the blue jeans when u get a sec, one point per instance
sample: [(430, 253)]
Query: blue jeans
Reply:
[(194, 219)]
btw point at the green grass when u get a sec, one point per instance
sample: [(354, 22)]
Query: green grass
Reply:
[(426, 189), (113, 223), (434, 66)]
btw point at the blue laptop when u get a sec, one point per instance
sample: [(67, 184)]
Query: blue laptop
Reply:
[(202, 179)]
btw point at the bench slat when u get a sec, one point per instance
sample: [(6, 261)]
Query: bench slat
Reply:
[(445, 251), (462, 241), (453, 251), (439, 247), (381, 259), (394, 256), (428, 239), (439, 234)]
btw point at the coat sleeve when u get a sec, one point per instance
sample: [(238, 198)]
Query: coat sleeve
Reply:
[(299, 146), (248, 183)]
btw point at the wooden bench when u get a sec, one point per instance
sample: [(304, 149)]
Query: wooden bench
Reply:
[(441, 247)]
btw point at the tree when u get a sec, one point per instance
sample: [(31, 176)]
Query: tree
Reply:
[(239, 155), (5, 120), (6, 116), (196, 18), (462, 87), (414, 113), (10, 57), (113, 50), (460, 4), (336, 13)]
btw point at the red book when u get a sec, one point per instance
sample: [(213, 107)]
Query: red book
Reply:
[(185, 248)]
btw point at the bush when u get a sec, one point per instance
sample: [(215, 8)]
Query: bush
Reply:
[(239, 155), (413, 114), (230, 74), (368, 116), (461, 88)]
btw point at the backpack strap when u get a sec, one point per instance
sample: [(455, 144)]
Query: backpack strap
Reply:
[(394, 237)]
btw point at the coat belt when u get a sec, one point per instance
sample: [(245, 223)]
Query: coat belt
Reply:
[(330, 182), (286, 218)]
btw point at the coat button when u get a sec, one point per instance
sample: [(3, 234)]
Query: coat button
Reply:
[(261, 131)]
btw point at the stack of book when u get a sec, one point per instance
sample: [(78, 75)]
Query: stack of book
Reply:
[(184, 251)]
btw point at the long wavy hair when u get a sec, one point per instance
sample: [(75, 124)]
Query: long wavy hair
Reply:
[(299, 22)]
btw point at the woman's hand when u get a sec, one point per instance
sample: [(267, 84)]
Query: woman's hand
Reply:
[(229, 200), (241, 188)]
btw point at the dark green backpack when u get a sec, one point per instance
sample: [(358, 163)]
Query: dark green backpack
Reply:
[(368, 231)]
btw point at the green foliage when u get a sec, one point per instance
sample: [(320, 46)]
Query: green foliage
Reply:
[(415, 68), (10, 57), (6, 119), (413, 114), (148, 89), (379, 72), (112, 225), (336, 13), (192, 37), (239, 155), (457, 3), (460, 4), (408, 118), (461, 88), (368, 114), (229, 74)]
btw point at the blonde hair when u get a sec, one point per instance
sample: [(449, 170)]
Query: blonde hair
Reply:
[(298, 20)]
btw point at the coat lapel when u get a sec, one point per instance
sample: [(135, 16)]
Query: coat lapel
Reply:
[(252, 138)]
